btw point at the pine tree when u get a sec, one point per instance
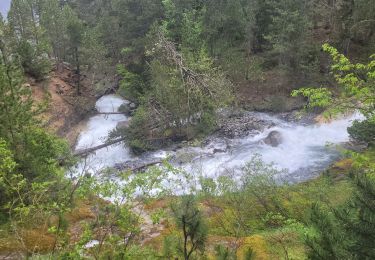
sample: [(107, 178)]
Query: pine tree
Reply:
[(75, 34), (189, 220), (16, 107), (29, 39), (358, 217), (328, 240), (288, 31), (347, 232)]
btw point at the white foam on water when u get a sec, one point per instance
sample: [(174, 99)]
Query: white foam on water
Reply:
[(302, 152), (96, 133)]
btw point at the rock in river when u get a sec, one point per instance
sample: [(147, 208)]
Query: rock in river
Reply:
[(242, 125), (273, 139)]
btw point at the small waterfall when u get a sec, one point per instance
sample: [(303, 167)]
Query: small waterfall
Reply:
[(96, 133)]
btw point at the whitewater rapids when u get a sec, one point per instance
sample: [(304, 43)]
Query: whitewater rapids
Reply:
[(305, 150)]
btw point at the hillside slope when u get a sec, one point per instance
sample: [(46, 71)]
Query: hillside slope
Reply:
[(64, 108)]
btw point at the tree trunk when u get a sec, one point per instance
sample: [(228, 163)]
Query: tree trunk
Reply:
[(78, 72), (87, 151)]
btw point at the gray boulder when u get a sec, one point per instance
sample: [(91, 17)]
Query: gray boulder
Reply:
[(273, 139), (241, 126)]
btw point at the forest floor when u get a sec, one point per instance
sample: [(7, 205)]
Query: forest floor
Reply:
[(270, 92)]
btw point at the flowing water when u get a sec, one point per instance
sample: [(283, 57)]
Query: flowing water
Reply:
[(96, 133), (303, 152)]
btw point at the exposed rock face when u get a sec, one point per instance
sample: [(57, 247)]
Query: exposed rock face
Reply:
[(242, 125), (273, 139), (298, 117)]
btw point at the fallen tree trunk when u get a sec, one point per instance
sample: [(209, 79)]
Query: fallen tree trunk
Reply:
[(84, 152), (141, 167)]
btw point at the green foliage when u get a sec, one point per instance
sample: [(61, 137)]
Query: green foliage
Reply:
[(182, 93), (224, 253), (75, 32), (317, 97), (170, 246), (363, 131), (137, 133), (54, 19), (28, 38), (120, 221), (357, 91), (132, 85), (356, 83), (94, 51), (347, 231), (176, 57), (7, 174), (33, 186), (190, 221), (246, 204), (34, 60), (287, 31)]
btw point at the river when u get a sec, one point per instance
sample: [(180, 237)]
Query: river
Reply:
[(304, 152)]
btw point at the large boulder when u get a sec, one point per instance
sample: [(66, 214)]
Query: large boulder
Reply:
[(273, 139)]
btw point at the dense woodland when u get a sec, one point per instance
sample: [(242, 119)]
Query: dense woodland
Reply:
[(179, 62)]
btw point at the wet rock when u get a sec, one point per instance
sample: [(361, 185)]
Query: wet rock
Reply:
[(216, 150), (241, 126), (273, 139), (185, 155), (216, 145), (298, 117), (355, 146)]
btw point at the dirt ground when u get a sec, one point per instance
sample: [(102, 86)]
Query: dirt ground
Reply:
[(65, 110)]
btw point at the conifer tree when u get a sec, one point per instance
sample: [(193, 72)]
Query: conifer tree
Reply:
[(358, 217), (189, 220), (28, 38), (75, 34), (347, 232)]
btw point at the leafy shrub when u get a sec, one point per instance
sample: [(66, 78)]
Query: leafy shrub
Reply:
[(363, 131)]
